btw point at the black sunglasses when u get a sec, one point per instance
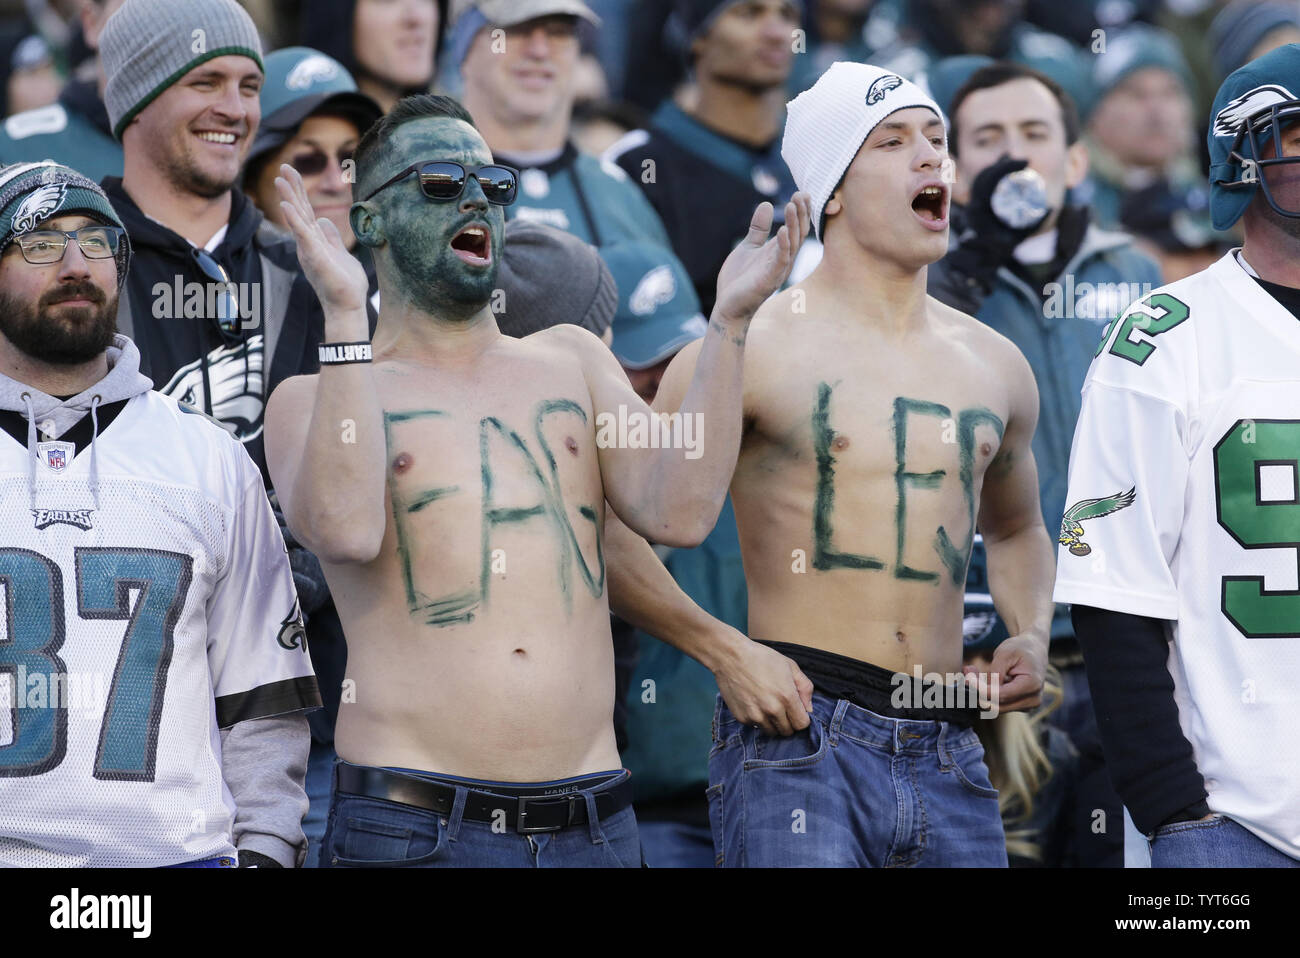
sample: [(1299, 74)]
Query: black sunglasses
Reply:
[(227, 317), (313, 162), (445, 180)]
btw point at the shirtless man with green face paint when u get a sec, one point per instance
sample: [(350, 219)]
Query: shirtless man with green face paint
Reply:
[(455, 491)]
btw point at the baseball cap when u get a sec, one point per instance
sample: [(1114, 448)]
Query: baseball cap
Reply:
[(301, 81), (468, 17), (658, 311), (1241, 123)]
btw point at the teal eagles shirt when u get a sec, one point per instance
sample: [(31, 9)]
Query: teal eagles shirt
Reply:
[(74, 131), (592, 199), (671, 699)]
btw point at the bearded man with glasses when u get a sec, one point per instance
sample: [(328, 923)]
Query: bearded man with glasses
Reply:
[(460, 516)]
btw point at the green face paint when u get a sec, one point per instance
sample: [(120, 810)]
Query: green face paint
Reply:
[(419, 231)]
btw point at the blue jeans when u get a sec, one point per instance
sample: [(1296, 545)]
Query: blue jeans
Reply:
[(373, 833), (1217, 843), (854, 789), (676, 845), (319, 782)]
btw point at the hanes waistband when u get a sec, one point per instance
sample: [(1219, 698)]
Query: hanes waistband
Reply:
[(871, 687)]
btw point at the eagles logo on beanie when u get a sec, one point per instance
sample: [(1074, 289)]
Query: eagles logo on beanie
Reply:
[(828, 124), (31, 193), (147, 45)]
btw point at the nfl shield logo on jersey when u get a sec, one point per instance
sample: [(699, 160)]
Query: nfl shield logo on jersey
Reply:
[(55, 455)]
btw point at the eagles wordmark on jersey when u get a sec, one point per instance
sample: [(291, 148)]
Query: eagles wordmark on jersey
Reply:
[(1186, 470)]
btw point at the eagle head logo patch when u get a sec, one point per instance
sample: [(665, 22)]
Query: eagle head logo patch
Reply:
[(293, 634), (42, 203), (882, 85), (656, 288), (1247, 107), (313, 69), (1077, 514)]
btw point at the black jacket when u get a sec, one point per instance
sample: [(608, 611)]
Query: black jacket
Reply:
[(228, 375)]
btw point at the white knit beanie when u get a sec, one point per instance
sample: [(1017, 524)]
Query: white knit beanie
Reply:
[(828, 124)]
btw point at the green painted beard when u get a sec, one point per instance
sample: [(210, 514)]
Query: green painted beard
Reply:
[(427, 270)]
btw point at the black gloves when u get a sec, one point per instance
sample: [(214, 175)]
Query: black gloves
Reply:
[(988, 242)]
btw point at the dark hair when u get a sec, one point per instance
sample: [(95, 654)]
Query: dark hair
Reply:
[(419, 107), (997, 74)]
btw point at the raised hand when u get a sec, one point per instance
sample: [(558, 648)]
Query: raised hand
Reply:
[(759, 265), (335, 274)]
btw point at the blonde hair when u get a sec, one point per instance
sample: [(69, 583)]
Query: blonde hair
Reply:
[(1018, 765)]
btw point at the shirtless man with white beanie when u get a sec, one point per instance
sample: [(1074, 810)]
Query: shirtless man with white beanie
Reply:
[(881, 428)]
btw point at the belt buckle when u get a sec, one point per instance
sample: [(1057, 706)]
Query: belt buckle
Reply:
[(521, 819)]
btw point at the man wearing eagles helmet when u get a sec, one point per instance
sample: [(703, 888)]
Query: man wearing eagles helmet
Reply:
[(1181, 558)]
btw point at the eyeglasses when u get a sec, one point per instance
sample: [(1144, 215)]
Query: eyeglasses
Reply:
[(227, 306), (48, 246), (313, 162), (445, 180)]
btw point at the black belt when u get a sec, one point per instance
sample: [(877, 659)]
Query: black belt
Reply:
[(526, 814)]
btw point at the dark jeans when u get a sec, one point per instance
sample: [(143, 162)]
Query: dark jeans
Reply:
[(854, 789), (1217, 843), (374, 833)]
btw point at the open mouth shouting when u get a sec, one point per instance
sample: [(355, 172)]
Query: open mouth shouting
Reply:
[(930, 203), (473, 245)]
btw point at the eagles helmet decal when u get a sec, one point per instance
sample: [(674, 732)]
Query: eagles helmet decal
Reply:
[(1253, 103), (1071, 524)]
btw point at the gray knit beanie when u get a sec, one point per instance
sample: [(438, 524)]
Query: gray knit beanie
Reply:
[(549, 277), (147, 45)]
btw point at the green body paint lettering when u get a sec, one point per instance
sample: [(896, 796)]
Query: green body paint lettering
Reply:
[(824, 554), (954, 557), (904, 407)]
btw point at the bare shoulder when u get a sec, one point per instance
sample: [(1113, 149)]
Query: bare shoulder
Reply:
[(566, 338), (989, 347)]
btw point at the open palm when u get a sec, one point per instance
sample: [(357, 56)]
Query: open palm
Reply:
[(759, 265), (335, 274)]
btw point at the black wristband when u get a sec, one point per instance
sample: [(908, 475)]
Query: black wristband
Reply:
[(343, 354)]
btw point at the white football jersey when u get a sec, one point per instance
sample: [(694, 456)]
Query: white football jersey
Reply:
[(1184, 505), (138, 622)]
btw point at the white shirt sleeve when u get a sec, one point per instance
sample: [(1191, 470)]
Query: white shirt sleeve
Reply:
[(1128, 479), (257, 648)]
